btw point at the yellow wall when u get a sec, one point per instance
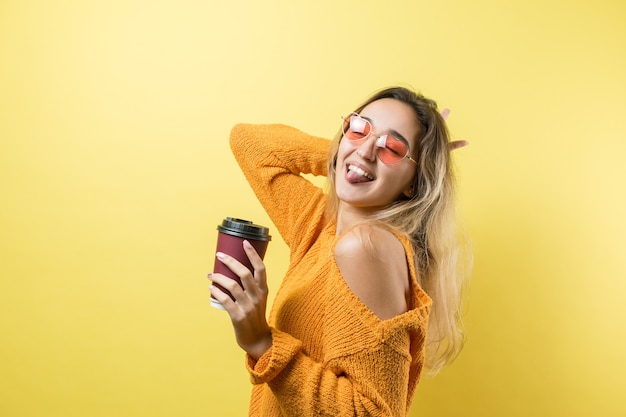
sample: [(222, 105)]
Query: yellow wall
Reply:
[(115, 171)]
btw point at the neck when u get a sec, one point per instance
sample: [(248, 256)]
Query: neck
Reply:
[(348, 216)]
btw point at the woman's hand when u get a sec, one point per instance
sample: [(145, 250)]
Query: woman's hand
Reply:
[(456, 144), (247, 312)]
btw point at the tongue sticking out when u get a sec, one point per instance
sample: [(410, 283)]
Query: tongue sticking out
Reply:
[(356, 175)]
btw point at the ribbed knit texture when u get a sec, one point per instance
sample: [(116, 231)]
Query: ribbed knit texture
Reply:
[(331, 356)]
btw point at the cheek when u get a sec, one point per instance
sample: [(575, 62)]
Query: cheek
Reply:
[(404, 180), (344, 150), (344, 147)]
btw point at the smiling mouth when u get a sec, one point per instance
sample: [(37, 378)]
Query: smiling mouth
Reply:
[(356, 174)]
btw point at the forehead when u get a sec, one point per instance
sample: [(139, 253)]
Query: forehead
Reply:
[(388, 114)]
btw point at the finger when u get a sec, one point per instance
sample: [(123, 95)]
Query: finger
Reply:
[(445, 113), (233, 264), (250, 288), (458, 144), (227, 285), (244, 302), (223, 298), (257, 264)]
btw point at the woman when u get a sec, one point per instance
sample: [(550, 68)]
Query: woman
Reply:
[(371, 261)]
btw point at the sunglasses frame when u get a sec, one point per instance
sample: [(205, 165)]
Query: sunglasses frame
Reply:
[(380, 140)]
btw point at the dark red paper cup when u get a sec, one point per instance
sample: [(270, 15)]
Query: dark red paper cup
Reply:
[(231, 234)]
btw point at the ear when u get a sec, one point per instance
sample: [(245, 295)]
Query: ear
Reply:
[(409, 192)]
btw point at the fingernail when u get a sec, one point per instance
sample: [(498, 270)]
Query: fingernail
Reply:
[(247, 244), (209, 275), (220, 255)]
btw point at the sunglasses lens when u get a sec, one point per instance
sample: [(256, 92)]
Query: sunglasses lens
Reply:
[(390, 149), (393, 151), (356, 128)]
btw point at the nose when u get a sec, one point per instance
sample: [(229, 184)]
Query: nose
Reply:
[(367, 150)]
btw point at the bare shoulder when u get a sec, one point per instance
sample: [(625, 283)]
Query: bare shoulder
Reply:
[(372, 261)]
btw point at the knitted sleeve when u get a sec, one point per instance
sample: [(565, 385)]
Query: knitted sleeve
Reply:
[(368, 382), (272, 157)]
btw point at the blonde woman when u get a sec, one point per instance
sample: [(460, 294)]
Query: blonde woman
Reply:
[(373, 292)]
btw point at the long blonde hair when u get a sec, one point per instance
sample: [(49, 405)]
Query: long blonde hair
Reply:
[(429, 219)]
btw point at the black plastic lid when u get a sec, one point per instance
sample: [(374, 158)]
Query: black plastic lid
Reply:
[(244, 228)]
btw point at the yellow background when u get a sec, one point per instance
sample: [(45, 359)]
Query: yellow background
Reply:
[(115, 171)]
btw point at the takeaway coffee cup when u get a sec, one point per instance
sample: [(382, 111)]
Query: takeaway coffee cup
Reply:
[(231, 234)]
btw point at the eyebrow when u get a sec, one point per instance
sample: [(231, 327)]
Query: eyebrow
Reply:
[(392, 131), (399, 136)]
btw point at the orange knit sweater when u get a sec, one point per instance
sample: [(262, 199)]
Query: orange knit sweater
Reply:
[(331, 356)]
